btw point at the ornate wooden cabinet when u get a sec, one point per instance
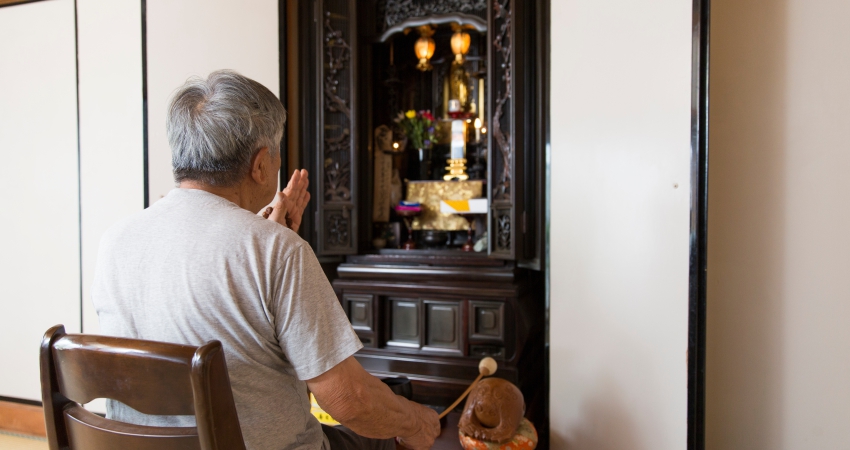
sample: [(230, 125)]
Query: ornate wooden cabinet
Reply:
[(428, 313), (433, 316)]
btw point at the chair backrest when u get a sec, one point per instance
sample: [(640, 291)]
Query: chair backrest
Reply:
[(151, 377)]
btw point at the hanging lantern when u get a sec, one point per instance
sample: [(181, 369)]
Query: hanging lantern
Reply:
[(460, 44), (424, 48)]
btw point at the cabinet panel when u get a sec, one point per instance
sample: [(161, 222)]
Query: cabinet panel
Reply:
[(486, 320), (404, 323), (443, 326), (359, 310)]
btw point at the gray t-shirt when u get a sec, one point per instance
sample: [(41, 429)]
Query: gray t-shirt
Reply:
[(196, 267)]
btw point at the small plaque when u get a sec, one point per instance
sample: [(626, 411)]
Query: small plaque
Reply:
[(383, 178)]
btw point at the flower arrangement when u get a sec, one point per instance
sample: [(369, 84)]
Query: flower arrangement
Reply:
[(418, 127)]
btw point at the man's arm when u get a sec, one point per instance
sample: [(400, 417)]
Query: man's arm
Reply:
[(368, 407)]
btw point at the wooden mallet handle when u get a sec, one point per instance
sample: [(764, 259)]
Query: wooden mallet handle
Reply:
[(486, 367)]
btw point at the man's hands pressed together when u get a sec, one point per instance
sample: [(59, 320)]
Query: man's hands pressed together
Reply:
[(288, 206)]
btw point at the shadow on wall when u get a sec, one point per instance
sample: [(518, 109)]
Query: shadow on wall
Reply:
[(601, 408), (605, 423), (746, 224)]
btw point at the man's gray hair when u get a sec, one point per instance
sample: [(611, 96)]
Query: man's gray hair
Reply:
[(215, 126)]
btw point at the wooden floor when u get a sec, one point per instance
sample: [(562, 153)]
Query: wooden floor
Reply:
[(18, 418), (9, 441), (447, 441)]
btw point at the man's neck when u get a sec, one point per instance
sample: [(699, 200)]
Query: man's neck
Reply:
[(233, 193)]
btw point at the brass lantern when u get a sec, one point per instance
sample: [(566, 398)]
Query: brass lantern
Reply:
[(460, 44), (424, 48)]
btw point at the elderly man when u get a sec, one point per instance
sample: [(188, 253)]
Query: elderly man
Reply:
[(201, 264)]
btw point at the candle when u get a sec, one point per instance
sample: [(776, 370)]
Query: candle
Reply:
[(481, 97), (458, 139), (477, 129), (446, 97)]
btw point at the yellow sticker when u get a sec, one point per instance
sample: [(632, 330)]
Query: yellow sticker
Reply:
[(458, 205), (320, 414)]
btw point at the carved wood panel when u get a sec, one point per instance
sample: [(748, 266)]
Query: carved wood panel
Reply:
[(393, 12), (336, 55), (512, 143), (501, 121), (502, 142), (502, 230)]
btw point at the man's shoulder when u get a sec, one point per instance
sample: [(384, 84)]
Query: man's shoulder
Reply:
[(123, 226), (206, 220), (137, 221), (273, 233)]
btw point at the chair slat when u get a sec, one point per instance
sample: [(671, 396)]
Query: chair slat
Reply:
[(90, 431)]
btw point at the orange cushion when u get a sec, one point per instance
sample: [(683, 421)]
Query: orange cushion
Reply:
[(524, 439)]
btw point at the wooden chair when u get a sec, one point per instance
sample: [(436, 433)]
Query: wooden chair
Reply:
[(151, 377)]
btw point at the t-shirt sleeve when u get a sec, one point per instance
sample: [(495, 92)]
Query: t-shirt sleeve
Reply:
[(312, 329)]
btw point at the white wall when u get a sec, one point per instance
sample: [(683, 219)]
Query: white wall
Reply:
[(620, 202), (45, 272), (40, 256), (778, 364), (111, 125), (193, 38)]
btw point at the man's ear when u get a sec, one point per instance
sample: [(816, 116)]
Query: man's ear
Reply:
[(260, 165)]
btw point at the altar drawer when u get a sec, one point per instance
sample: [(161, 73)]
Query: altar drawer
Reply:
[(359, 310), (443, 326), (486, 321), (404, 329)]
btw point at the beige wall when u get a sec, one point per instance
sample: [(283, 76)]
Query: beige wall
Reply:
[(779, 217), (193, 38)]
